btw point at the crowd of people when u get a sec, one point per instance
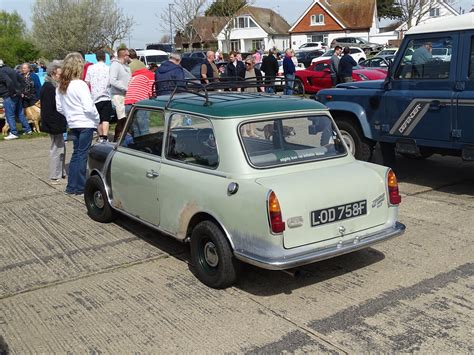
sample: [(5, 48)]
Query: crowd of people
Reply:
[(81, 97)]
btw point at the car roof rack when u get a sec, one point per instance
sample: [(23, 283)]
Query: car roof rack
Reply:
[(227, 85)]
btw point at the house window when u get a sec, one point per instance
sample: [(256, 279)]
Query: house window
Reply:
[(244, 22), (235, 45), (257, 44), (317, 20), (317, 38), (434, 12)]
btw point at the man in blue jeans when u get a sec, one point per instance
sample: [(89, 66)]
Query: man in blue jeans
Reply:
[(289, 70), (10, 89)]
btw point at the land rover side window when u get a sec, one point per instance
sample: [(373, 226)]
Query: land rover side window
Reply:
[(290, 141), (191, 140), (145, 132), (427, 58), (471, 60)]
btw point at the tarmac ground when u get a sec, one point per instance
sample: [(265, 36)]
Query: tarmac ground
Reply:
[(69, 284)]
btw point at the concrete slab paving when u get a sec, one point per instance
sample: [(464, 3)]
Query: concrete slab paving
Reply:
[(68, 284)]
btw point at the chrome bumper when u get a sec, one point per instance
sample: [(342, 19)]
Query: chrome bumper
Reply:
[(323, 253)]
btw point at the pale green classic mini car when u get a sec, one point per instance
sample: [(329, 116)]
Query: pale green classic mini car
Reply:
[(254, 178)]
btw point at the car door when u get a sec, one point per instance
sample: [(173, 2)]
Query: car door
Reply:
[(419, 105), (135, 166), (320, 77), (465, 91)]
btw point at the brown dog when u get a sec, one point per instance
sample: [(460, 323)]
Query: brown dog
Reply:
[(268, 131), (33, 115)]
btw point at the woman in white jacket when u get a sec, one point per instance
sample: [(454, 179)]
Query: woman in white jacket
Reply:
[(74, 101)]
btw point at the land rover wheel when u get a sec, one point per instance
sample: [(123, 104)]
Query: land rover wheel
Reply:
[(98, 207), (360, 147), (212, 256)]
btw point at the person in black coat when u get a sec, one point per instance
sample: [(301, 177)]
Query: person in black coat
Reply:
[(235, 68), (54, 123), (345, 66), (270, 67)]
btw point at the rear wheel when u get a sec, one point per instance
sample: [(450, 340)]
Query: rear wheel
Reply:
[(98, 207), (360, 147), (212, 256), (298, 87)]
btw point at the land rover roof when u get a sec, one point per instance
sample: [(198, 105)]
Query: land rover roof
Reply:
[(445, 24)]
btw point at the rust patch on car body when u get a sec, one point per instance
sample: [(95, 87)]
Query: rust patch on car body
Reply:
[(185, 215)]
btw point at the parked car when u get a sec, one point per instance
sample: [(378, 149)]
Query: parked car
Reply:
[(443, 54), (196, 54), (387, 51), (307, 56), (378, 63), (165, 47), (149, 56), (261, 179), (423, 107), (318, 76), (311, 46), (357, 53), (349, 41)]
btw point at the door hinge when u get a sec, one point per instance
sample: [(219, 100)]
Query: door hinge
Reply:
[(456, 133)]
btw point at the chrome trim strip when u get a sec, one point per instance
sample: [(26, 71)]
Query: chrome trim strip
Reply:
[(336, 249)]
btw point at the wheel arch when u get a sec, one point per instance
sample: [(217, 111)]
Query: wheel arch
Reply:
[(97, 172), (206, 216), (353, 112)]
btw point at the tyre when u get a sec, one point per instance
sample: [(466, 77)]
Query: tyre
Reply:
[(98, 207), (212, 257), (360, 147), (299, 87)]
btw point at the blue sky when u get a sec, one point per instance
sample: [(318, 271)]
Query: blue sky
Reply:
[(148, 28)]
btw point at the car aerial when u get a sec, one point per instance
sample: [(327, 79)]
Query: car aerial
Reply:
[(367, 46), (243, 177), (307, 56), (357, 53), (378, 63), (311, 46), (424, 106), (318, 76)]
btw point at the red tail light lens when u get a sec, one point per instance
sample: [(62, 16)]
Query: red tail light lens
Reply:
[(277, 225), (393, 194)]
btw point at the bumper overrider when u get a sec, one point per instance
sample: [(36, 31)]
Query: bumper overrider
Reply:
[(336, 249)]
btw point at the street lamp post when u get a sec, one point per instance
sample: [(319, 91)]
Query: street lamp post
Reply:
[(171, 23)]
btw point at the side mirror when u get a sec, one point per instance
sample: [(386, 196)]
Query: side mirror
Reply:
[(389, 78)]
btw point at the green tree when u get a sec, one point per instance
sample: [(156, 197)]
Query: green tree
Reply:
[(225, 8), (389, 8), (15, 47), (63, 26)]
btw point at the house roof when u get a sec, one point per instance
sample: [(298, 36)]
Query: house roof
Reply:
[(267, 19), (208, 27), (350, 14)]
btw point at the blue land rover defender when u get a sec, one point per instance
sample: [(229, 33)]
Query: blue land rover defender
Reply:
[(426, 103)]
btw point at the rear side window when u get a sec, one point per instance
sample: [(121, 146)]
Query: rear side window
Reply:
[(428, 58), (191, 140), (290, 141)]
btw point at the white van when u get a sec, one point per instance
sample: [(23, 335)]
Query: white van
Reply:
[(149, 56)]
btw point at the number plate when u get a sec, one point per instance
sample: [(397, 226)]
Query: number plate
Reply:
[(338, 213)]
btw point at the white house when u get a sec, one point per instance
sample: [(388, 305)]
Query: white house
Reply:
[(254, 28)]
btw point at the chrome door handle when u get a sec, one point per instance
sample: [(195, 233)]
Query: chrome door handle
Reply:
[(152, 174)]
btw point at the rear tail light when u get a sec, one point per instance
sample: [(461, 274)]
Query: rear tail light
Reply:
[(277, 225), (393, 195)]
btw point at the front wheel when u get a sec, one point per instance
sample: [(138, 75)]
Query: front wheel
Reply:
[(298, 87), (98, 207), (360, 147), (212, 257)]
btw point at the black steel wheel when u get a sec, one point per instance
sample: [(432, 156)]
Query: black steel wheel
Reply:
[(212, 256), (98, 207)]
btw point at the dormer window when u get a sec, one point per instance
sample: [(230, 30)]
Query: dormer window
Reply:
[(434, 12), (317, 20), (244, 22)]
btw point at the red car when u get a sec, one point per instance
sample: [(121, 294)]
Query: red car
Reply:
[(318, 76)]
